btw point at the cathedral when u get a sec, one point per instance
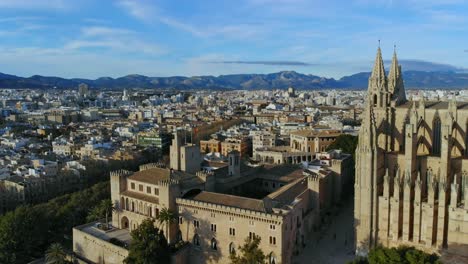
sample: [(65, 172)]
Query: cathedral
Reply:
[(411, 183)]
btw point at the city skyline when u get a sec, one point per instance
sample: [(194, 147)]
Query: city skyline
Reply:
[(160, 38)]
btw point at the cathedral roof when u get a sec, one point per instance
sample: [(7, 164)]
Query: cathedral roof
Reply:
[(438, 105)]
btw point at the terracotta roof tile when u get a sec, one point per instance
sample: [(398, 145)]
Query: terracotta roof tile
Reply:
[(231, 200), (151, 176)]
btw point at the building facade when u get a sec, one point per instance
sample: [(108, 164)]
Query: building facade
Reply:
[(217, 210), (411, 169)]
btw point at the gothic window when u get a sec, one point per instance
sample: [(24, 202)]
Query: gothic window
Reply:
[(214, 244), (271, 259), (436, 137), (196, 240), (232, 248), (179, 236), (375, 100)]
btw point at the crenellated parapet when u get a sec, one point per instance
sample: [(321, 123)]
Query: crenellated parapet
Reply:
[(204, 173), (121, 173), (152, 166), (168, 182), (234, 211)]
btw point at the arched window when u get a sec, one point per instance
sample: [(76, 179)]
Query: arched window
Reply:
[(126, 204), (150, 211), (374, 101), (214, 244), (124, 222), (232, 248), (436, 137), (196, 240), (271, 259), (179, 235), (122, 203), (133, 206)]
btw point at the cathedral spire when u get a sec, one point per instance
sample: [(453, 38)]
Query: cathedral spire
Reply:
[(394, 72), (377, 89), (378, 72), (395, 81)]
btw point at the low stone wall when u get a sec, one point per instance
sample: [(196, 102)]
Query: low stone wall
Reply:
[(96, 250)]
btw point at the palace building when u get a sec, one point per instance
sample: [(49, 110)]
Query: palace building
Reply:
[(411, 181), (218, 205)]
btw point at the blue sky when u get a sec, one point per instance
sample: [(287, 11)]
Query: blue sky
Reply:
[(333, 38)]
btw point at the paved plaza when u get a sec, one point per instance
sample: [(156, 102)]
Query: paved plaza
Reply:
[(335, 244)]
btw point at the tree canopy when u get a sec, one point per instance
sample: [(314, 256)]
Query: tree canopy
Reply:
[(148, 245), (249, 253), (400, 255), (347, 143), (166, 217), (26, 232), (56, 254)]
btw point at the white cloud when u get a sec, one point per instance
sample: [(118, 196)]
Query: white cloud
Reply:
[(139, 9), (151, 14), (114, 39), (105, 31)]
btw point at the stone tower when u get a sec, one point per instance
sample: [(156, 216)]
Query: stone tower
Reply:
[(372, 145), (234, 163), (174, 151)]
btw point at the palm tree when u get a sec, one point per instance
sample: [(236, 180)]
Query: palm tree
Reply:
[(56, 254), (108, 207), (166, 217)]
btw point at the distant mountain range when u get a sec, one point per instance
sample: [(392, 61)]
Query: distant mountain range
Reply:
[(279, 80)]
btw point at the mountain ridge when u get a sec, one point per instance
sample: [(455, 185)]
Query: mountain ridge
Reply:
[(278, 80)]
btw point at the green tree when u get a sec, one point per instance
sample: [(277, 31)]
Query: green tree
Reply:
[(23, 235), (385, 256), (166, 217), (347, 143), (56, 254), (359, 260), (102, 210), (149, 246), (400, 255), (27, 232), (250, 253)]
